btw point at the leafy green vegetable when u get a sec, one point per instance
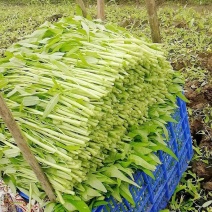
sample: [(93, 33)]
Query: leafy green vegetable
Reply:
[(93, 102), (30, 101)]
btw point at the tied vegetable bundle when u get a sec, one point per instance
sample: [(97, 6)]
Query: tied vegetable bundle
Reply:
[(93, 102)]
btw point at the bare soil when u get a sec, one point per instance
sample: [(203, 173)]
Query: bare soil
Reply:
[(198, 101), (206, 60)]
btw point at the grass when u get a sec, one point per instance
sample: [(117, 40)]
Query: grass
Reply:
[(186, 33)]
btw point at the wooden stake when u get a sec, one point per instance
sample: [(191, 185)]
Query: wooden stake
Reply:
[(22, 144), (82, 6), (101, 9), (153, 21)]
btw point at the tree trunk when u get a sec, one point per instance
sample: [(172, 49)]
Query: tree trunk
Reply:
[(101, 9), (153, 21)]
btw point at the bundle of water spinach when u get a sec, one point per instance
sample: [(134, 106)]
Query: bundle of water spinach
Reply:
[(93, 102)]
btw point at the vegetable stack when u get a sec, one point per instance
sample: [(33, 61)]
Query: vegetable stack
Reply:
[(93, 102)]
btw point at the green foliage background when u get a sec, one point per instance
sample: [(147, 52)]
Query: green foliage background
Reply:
[(107, 1)]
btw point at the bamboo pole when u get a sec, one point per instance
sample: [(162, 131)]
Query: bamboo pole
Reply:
[(153, 21), (101, 9), (22, 144), (82, 6)]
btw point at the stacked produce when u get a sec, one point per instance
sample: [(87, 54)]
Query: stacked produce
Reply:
[(93, 102)]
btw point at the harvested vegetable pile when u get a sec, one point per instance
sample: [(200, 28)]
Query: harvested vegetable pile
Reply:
[(93, 102)]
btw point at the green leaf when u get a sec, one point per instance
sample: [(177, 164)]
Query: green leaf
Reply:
[(105, 179), (116, 194), (16, 62), (114, 172), (73, 50), (128, 171), (12, 92), (4, 161), (180, 95), (158, 138), (89, 193), (99, 203), (141, 162), (50, 106), (125, 164), (56, 47), (49, 207), (86, 28), (59, 207), (178, 80), (175, 88), (126, 150), (207, 119), (168, 119), (71, 148), (125, 192), (180, 188), (10, 153), (3, 82), (10, 170), (1, 154), (153, 112), (155, 158), (36, 191), (96, 183), (30, 101), (69, 206), (148, 172), (113, 157), (12, 186), (80, 205), (197, 150), (142, 133), (140, 149), (164, 148), (60, 66), (78, 10), (206, 204), (165, 131)]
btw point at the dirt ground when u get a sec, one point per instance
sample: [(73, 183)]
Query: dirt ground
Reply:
[(199, 101)]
